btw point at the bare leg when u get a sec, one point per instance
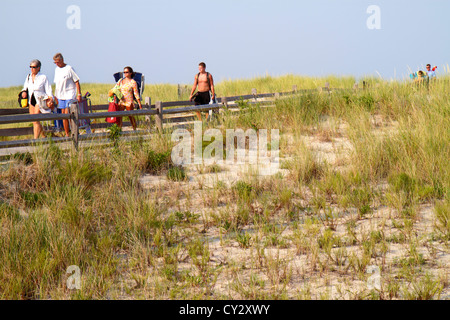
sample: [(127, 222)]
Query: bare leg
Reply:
[(66, 122), (132, 119), (199, 115), (37, 127)]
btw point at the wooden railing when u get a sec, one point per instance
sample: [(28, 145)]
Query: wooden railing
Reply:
[(159, 109)]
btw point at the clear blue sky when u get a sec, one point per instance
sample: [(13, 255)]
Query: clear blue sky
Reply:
[(166, 40)]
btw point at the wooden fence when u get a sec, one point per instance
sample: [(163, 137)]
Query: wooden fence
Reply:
[(158, 110)]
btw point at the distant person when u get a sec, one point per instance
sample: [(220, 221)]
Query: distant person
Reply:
[(40, 97), (67, 87), (205, 83), (129, 89), (421, 77), (431, 72)]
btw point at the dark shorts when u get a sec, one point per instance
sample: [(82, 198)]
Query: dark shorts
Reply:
[(202, 98), (33, 100)]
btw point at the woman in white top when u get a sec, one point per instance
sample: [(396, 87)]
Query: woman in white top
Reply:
[(40, 97)]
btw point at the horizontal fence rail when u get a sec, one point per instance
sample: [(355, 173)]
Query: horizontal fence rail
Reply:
[(158, 110)]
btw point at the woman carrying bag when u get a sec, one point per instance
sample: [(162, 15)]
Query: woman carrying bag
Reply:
[(40, 97)]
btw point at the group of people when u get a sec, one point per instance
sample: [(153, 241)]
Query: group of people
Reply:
[(126, 91), (420, 76), (38, 91)]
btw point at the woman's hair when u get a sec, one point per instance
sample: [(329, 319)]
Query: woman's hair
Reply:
[(36, 62), (130, 69)]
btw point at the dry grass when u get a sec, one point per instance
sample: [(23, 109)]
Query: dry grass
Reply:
[(363, 187)]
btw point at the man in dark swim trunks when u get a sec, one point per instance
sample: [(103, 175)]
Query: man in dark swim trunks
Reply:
[(205, 83)]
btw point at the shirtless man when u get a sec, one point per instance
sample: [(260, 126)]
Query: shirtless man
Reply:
[(205, 83)]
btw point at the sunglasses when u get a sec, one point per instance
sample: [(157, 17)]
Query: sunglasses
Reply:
[(33, 67), (126, 72)]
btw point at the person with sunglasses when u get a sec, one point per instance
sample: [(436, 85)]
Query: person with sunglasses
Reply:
[(67, 87), (129, 89), (40, 97)]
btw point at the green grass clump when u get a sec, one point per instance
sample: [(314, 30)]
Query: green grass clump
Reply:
[(25, 157), (176, 174), (442, 219)]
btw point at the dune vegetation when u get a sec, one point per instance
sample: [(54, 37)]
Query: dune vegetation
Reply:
[(359, 209)]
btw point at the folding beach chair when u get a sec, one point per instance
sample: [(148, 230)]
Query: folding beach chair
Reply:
[(138, 77), (84, 107)]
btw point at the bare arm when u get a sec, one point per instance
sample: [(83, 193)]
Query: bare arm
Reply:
[(136, 94), (193, 87), (78, 91), (212, 86)]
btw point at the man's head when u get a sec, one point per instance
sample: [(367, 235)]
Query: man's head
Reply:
[(428, 66), (201, 67), (58, 59)]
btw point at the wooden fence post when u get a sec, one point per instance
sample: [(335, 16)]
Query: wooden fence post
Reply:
[(294, 88), (355, 86), (74, 124), (255, 94), (148, 105), (159, 116), (225, 102), (327, 86)]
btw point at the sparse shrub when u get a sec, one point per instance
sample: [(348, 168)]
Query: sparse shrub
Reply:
[(442, 220), (78, 171), (32, 199), (425, 288), (25, 157), (243, 189), (361, 199), (8, 212), (186, 216), (155, 161), (114, 134), (244, 239), (327, 240), (305, 167), (176, 174), (367, 101), (403, 183)]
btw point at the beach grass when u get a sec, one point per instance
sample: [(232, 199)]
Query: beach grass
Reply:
[(363, 185)]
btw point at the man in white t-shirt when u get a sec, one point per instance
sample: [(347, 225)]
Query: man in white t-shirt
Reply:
[(67, 86)]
